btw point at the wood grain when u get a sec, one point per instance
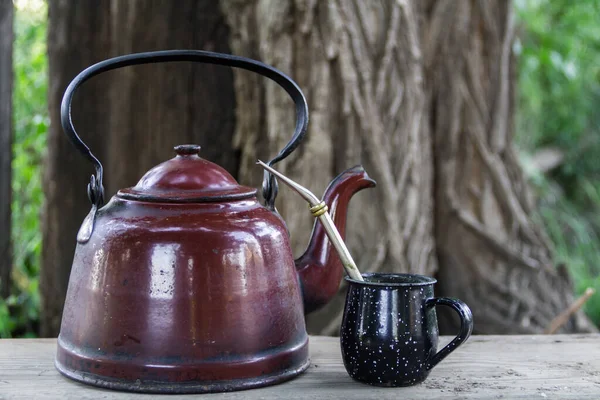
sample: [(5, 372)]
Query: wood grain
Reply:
[(486, 367)]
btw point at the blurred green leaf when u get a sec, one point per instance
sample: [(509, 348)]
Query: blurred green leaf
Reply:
[(19, 314), (558, 93)]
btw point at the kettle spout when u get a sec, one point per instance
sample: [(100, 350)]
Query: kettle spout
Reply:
[(319, 268)]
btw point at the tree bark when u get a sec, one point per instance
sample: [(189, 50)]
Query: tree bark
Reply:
[(6, 77), (409, 89), (130, 118), (359, 65), (156, 107), (490, 251), (78, 36)]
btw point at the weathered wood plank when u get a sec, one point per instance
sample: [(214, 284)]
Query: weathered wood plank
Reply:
[(486, 367)]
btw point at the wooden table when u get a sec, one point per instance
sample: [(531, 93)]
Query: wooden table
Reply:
[(486, 367)]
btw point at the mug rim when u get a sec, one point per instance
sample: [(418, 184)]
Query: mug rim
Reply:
[(425, 280)]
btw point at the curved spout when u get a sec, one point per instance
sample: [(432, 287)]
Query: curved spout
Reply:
[(319, 268)]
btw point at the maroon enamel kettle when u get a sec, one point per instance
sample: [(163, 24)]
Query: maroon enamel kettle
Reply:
[(185, 282)]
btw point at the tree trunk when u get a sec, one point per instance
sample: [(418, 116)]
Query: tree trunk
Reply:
[(6, 76), (157, 107), (359, 65), (422, 94), (130, 118), (490, 252), (77, 37)]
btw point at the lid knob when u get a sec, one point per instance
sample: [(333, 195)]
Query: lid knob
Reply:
[(187, 149)]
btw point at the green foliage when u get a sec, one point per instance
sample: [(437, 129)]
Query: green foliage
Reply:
[(19, 314), (559, 91)]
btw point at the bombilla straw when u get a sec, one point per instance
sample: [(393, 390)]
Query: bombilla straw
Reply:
[(319, 209)]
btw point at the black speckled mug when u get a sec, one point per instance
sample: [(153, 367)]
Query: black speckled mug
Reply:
[(389, 332)]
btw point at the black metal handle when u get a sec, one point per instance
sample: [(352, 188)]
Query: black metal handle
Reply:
[(466, 327), (95, 187)]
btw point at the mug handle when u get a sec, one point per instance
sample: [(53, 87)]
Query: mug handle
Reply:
[(466, 326)]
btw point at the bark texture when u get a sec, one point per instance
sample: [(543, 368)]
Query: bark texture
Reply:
[(420, 92), (6, 40), (359, 65), (156, 107), (130, 118), (491, 254)]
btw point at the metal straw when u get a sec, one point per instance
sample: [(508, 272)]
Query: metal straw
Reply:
[(318, 208)]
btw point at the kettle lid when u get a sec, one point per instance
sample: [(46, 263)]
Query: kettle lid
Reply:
[(187, 178)]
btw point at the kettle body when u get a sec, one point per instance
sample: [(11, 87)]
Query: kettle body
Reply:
[(211, 305)]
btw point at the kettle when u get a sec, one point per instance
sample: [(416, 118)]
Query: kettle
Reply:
[(185, 282)]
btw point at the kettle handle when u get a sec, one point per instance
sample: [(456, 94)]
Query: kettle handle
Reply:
[(95, 188)]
